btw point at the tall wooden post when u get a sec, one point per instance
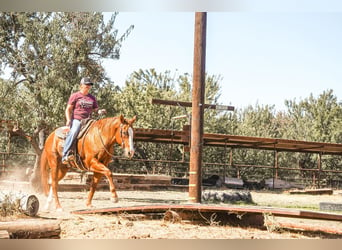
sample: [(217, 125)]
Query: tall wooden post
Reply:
[(198, 92), (276, 164), (319, 169)]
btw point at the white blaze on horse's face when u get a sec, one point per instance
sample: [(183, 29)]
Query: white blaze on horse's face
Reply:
[(131, 145)]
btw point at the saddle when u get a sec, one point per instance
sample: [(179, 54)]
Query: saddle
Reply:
[(62, 133)]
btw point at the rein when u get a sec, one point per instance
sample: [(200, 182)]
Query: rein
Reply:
[(98, 131)]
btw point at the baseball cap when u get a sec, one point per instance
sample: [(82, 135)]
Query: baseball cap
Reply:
[(86, 80)]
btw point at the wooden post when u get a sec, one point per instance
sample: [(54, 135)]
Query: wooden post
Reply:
[(319, 169), (198, 92), (275, 167), (276, 164)]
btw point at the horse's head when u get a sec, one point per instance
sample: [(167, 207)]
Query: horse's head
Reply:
[(126, 135)]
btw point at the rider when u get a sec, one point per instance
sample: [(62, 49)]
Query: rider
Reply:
[(80, 106)]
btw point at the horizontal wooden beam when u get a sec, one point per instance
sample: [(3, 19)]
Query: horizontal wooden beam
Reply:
[(236, 141), (189, 104)]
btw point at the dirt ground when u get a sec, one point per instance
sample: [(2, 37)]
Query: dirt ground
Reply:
[(121, 226)]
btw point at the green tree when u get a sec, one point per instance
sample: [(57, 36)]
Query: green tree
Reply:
[(315, 119), (136, 96), (144, 85), (258, 121), (47, 54)]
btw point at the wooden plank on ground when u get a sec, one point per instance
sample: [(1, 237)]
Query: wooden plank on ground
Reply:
[(4, 234), (321, 191), (32, 229), (217, 209), (310, 228)]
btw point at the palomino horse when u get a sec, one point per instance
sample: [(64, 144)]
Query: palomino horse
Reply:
[(95, 150)]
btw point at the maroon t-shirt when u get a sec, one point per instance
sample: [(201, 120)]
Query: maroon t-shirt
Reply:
[(83, 105)]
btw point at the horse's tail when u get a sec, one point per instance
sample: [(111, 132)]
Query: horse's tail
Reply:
[(44, 173)]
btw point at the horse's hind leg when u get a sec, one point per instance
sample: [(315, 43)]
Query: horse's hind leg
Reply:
[(60, 175), (57, 174), (48, 200)]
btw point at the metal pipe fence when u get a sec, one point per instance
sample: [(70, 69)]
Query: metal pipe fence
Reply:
[(180, 169)]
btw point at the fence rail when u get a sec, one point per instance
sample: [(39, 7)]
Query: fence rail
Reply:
[(180, 169)]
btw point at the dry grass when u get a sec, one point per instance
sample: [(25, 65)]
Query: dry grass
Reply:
[(9, 207)]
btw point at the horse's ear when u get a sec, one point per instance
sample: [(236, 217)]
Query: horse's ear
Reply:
[(122, 119), (133, 120)]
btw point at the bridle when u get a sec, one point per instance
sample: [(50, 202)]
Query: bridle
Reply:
[(121, 133)]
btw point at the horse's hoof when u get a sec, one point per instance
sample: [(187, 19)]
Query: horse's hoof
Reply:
[(59, 210), (114, 199), (46, 209)]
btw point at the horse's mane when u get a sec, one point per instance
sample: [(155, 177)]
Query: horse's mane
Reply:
[(105, 121)]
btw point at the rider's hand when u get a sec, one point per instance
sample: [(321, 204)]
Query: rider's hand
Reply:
[(102, 111)]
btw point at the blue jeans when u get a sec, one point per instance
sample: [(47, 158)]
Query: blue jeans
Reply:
[(69, 140)]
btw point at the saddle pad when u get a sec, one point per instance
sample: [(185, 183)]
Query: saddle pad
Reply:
[(62, 132)]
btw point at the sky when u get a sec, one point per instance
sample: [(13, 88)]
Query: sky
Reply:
[(263, 58)]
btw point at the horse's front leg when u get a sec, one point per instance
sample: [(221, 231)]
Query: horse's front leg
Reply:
[(96, 179), (100, 169)]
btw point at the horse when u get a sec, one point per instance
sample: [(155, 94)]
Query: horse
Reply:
[(95, 150)]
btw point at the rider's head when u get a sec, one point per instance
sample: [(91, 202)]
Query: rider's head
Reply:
[(86, 81)]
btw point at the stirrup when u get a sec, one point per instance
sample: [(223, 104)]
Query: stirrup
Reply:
[(67, 159)]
